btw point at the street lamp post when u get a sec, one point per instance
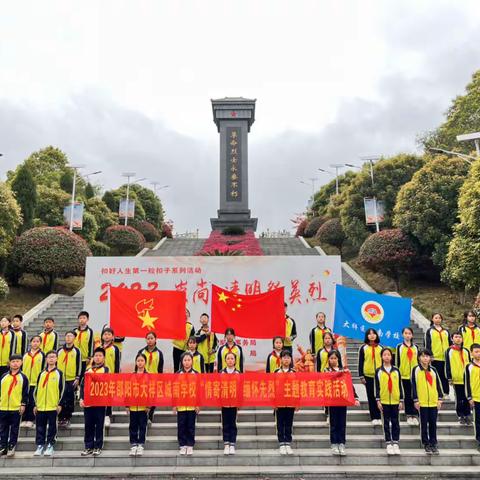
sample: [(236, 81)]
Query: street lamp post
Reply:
[(72, 203), (128, 175), (467, 137), (336, 178), (155, 185), (336, 166), (371, 161)]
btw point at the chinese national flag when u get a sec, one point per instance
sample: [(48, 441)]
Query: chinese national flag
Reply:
[(251, 316), (134, 313)]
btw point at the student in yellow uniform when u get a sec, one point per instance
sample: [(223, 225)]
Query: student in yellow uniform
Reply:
[(290, 331), (13, 398), (457, 358), (70, 364), (229, 414), (180, 346), (472, 387), (317, 333), (84, 340), (469, 329), (230, 346), (406, 359), (33, 364), (7, 344), (207, 343), (138, 414), (322, 354), (94, 417), (49, 336), (427, 396), (112, 362), (274, 360), (48, 398), (389, 395), (437, 340), (198, 363), (20, 335), (186, 416), (369, 359)]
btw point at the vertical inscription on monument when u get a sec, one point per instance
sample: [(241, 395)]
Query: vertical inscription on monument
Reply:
[(234, 162)]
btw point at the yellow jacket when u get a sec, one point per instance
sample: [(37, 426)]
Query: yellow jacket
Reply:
[(424, 392), (20, 341), (456, 361), (222, 352), (470, 335), (369, 359), (33, 365), (13, 391), (84, 342), (290, 331), (154, 360), (316, 338), (112, 358), (472, 382), (49, 341), (437, 341), (406, 361), (70, 363), (388, 386), (7, 347), (205, 344), (322, 359), (273, 361), (49, 390)]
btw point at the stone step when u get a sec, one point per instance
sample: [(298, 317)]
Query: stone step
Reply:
[(267, 457)]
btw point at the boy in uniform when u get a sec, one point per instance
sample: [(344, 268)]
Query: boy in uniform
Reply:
[(20, 335), (49, 336)]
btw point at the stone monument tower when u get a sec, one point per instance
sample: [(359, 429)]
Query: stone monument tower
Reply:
[(233, 117)]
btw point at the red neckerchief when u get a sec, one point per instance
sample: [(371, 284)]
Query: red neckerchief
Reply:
[(67, 351), (14, 382), (45, 337), (373, 345), (3, 338), (277, 357), (150, 356), (80, 333), (390, 381), (96, 368), (472, 329), (47, 376), (459, 349), (230, 349), (33, 357), (409, 352), (429, 377)]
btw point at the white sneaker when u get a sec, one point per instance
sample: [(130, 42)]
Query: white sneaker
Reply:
[(379, 422), (133, 451), (107, 421), (390, 449), (335, 449), (11, 452), (49, 451), (341, 450), (415, 421), (282, 450), (24, 424), (396, 449), (289, 450), (38, 451), (30, 425), (226, 450), (140, 450), (182, 451), (189, 450), (232, 449)]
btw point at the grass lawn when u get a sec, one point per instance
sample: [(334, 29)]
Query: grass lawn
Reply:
[(32, 291), (428, 297)]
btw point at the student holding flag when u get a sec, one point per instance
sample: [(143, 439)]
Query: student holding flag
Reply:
[(290, 331), (406, 359), (207, 343), (437, 340), (369, 359), (457, 358)]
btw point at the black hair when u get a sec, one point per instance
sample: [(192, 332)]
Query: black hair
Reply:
[(335, 353), (424, 351), (15, 357), (36, 336), (285, 353), (7, 318), (386, 349), (456, 332), (192, 339), (231, 353), (321, 313), (276, 338), (407, 328), (151, 333), (83, 313), (50, 352), (474, 345), (139, 354), (185, 354), (108, 329), (99, 350), (49, 318), (466, 314), (368, 332), (205, 315), (18, 316), (433, 314), (72, 332), (331, 335), (230, 330), (285, 304)]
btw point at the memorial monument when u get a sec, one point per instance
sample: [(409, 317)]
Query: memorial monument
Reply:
[(233, 116)]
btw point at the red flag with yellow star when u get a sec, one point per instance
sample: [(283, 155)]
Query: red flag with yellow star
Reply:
[(251, 316), (134, 313)]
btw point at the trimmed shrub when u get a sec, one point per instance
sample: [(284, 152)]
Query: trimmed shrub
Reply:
[(312, 226), (148, 230), (301, 228), (4, 290), (124, 239), (331, 232), (167, 230), (89, 228), (50, 253), (99, 249), (389, 252)]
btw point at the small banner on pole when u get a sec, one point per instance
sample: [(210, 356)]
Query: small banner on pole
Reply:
[(216, 390)]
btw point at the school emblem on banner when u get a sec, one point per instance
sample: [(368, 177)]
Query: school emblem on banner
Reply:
[(372, 312)]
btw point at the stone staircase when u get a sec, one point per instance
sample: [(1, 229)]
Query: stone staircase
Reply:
[(257, 455)]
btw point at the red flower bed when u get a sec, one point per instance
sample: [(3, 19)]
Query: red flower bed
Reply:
[(247, 244)]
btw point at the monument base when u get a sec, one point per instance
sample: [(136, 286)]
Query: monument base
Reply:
[(234, 219)]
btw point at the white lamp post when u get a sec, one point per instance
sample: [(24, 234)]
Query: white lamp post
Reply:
[(72, 203), (128, 175)]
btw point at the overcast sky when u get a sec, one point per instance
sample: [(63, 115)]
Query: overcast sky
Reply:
[(126, 86)]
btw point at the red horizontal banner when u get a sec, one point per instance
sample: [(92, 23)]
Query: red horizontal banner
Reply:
[(216, 390)]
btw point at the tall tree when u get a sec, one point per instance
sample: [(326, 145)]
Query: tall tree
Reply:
[(25, 189), (10, 220)]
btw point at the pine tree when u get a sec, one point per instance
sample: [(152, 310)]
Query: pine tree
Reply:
[(25, 189)]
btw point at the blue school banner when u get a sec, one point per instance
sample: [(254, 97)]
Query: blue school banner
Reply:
[(356, 311)]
